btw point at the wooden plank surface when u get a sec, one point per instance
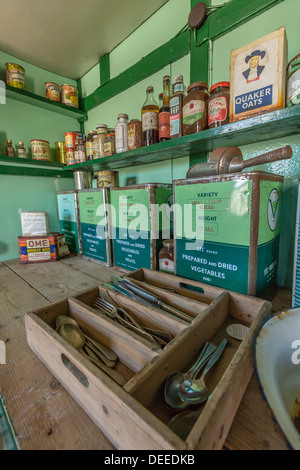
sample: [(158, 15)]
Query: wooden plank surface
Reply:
[(44, 414)]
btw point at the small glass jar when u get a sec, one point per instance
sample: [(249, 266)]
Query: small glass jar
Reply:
[(22, 150), (195, 107), (166, 257), (10, 151), (79, 153), (96, 152), (110, 146), (121, 131), (135, 134), (90, 145), (101, 134), (218, 105)]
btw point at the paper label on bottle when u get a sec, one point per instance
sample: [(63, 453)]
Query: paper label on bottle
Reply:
[(174, 116), (150, 121), (166, 265), (22, 153), (217, 110), (89, 149), (120, 144), (164, 125), (193, 111)]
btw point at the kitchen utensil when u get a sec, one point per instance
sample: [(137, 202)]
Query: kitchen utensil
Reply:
[(183, 422), (174, 380), (193, 391)]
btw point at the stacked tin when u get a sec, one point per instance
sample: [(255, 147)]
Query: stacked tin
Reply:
[(70, 139)]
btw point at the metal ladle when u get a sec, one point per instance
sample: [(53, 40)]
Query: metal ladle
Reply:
[(182, 423), (75, 337)]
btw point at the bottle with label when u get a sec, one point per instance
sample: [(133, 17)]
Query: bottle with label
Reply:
[(79, 153), (176, 105), (101, 136), (22, 150), (166, 257), (96, 151), (150, 113), (218, 105), (121, 131), (134, 134), (89, 145), (195, 108), (164, 112), (10, 151), (110, 142)]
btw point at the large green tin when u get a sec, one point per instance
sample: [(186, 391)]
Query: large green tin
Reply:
[(68, 215), (94, 225), (141, 222), (227, 230)]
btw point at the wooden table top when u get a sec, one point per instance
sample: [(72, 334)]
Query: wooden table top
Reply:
[(44, 415)]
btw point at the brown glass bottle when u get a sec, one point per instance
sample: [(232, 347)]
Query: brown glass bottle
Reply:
[(176, 105), (164, 112), (150, 113)]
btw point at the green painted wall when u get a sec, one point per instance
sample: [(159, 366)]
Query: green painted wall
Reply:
[(23, 122)]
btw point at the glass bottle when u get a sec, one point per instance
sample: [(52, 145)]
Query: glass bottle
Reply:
[(195, 108), (101, 135), (176, 105), (166, 257), (10, 151), (89, 145), (164, 112), (96, 151), (110, 142), (22, 150), (150, 112), (121, 131)]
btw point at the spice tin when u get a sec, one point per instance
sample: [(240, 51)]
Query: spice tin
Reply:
[(71, 137), (15, 75), (293, 81), (41, 249), (227, 230), (52, 91), (69, 223), (141, 221), (40, 150), (60, 152), (107, 178), (95, 225), (135, 134), (69, 96)]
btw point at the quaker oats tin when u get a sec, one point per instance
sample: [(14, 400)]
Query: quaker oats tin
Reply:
[(52, 91), (40, 150), (15, 75), (69, 96), (60, 152), (106, 179)]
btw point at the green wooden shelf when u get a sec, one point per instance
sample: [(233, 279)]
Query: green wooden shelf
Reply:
[(42, 102), (29, 167), (273, 125)]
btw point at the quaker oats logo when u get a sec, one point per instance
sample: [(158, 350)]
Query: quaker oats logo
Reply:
[(2, 92), (273, 209)]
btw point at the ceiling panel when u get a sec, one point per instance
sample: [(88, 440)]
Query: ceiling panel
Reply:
[(69, 36)]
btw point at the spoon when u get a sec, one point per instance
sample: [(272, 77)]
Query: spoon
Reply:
[(174, 380), (183, 422), (74, 336), (193, 391), (107, 355)]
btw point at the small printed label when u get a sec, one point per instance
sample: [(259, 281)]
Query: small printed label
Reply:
[(174, 116), (164, 125), (120, 144), (237, 331), (254, 100), (150, 121), (166, 265), (193, 112), (217, 110)]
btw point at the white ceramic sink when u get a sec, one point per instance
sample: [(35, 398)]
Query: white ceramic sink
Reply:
[(277, 366)]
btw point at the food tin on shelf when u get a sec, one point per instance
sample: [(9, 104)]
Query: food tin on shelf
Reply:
[(41, 249), (60, 152), (71, 137), (40, 149), (15, 75), (69, 96), (52, 91), (107, 178)]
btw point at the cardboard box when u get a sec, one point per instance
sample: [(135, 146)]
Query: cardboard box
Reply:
[(69, 223), (41, 249), (258, 76), (35, 224)]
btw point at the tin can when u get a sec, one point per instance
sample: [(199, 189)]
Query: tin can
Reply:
[(293, 81), (52, 91), (60, 152), (15, 75), (70, 156), (107, 178), (69, 96), (83, 180), (71, 137), (40, 149)]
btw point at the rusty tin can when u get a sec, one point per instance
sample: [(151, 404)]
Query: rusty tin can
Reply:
[(40, 149), (52, 91), (107, 179), (69, 96), (15, 75)]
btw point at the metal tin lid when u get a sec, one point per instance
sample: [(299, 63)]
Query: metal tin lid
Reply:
[(11, 63), (178, 78), (149, 89), (101, 125), (218, 85), (92, 132), (123, 115), (111, 130), (197, 84), (39, 140)]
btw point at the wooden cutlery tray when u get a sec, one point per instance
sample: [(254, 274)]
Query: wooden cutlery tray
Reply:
[(136, 415)]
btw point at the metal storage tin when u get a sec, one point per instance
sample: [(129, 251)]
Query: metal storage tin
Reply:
[(40, 149), (130, 252), (52, 91), (60, 151), (69, 223), (237, 230), (15, 75), (107, 179), (95, 225), (42, 249), (71, 137), (69, 96)]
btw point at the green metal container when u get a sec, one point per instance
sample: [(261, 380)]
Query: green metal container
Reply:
[(94, 225), (140, 221), (69, 219), (227, 230)]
